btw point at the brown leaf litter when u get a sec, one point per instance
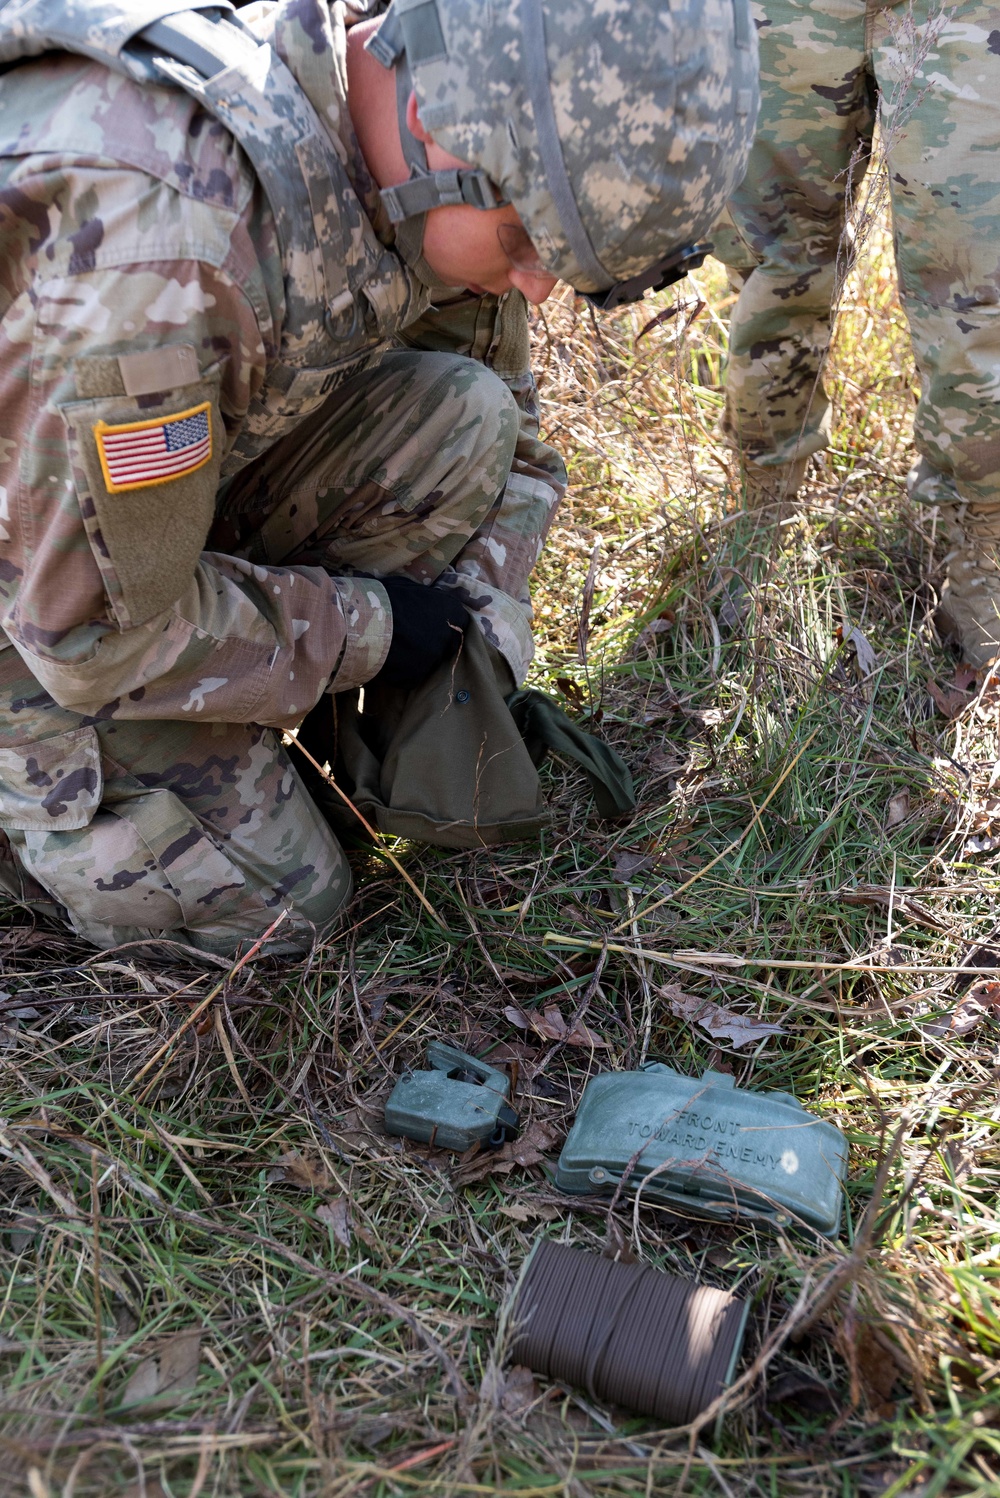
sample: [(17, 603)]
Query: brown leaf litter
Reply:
[(306, 1172), (168, 1376), (531, 1147), (337, 1215), (721, 1023), (551, 1025)]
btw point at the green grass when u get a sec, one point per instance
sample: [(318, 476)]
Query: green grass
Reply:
[(139, 1204)]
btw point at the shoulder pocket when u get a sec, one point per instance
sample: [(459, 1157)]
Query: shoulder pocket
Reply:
[(53, 785), (146, 475)]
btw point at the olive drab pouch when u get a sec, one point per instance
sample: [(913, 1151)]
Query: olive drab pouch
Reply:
[(450, 763), (444, 763)]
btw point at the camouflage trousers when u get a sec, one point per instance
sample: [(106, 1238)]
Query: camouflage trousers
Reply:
[(205, 832), (930, 76)]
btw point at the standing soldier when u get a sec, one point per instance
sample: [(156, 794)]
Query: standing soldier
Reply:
[(244, 462), (930, 76)]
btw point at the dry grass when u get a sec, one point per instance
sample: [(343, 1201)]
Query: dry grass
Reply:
[(331, 1321)]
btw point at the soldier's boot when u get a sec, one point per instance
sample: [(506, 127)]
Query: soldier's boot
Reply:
[(773, 491), (968, 615), (969, 612), (770, 496)]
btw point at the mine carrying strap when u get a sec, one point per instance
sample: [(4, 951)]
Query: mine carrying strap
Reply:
[(544, 727)]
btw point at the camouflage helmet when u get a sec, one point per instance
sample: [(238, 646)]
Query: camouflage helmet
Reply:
[(617, 128)]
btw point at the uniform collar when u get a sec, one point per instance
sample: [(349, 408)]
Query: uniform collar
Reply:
[(310, 37)]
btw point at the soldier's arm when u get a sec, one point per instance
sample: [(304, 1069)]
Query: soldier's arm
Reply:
[(121, 376), (493, 569)]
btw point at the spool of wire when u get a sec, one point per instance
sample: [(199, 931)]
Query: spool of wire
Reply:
[(627, 1333)]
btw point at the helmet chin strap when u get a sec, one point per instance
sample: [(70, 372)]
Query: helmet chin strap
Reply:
[(409, 202)]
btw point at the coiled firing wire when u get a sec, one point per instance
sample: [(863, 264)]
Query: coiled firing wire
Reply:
[(627, 1333), (656, 1359), (618, 1314), (702, 1312)]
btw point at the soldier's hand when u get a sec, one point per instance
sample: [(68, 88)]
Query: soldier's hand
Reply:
[(427, 628)]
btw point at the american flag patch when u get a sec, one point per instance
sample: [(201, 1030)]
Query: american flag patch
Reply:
[(140, 453)]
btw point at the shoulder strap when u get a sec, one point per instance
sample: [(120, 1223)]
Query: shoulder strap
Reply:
[(202, 47), (30, 27)]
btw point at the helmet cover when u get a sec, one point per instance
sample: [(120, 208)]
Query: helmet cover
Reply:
[(642, 111)]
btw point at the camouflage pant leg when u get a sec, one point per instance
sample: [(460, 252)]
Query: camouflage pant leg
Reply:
[(202, 832), (491, 573), (394, 474), (785, 223), (937, 81), (407, 470), (939, 77)]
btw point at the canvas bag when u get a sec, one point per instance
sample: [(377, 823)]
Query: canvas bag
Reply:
[(451, 763)]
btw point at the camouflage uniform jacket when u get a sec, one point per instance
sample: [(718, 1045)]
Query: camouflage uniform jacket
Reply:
[(143, 287)]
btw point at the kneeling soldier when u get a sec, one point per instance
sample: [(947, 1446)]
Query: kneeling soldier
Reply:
[(267, 427)]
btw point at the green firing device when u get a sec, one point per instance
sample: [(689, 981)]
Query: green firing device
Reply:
[(706, 1148), (458, 1102)]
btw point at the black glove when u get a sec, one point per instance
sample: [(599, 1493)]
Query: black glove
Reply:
[(427, 627)]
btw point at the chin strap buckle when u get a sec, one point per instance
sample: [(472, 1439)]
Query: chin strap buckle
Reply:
[(658, 277)]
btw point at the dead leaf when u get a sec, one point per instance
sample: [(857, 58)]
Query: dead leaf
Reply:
[(519, 1391), (796, 1387), (877, 1362), (981, 955), (305, 1172), (890, 956), (12, 1006), (616, 1246), (986, 992), (646, 639), (372, 1433), (897, 809), (23, 938), (630, 863), (534, 1143), (949, 703), (981, 1001), (551, 1025), (866, 656), (571, 691), (517, 1017), (337, 1214), (510, 1053), (659, 320), (168, 1376), (530, 1147), (22, 1233), (985, 842), (961, 1158), (531, 1212), (738, 1029), (660, 761)]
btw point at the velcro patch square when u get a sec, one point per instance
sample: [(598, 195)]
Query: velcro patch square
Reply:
[(138, 454)]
